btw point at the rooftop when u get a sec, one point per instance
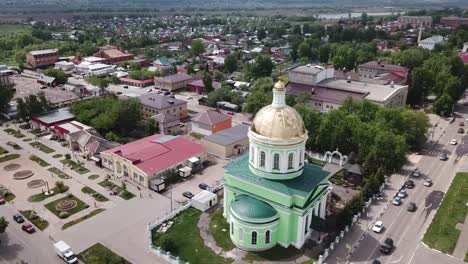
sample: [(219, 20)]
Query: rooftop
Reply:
[(211, 117), (382, 65), (179, 77), (229, 136), (159, 101), (303, 185), (158, 152), (309, 69), (43, 52), (249, 208), (54, 117)]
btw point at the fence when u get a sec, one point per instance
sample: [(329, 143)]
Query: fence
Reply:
[(158, 251), (342, 233)]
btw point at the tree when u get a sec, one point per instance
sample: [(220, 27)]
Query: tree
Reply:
[(261, 34), (208, 82), (324, 53), (262, 67), (261, 95), (168, 245), (61, 187), (31, 106), (218, 76), (3, 224), (230, 63), (364, 19), (98, 81), (443, 105), (297, 30), (304, 50), (197, 47), (344, 57), (6, 94), (306, 28), (60, 76)]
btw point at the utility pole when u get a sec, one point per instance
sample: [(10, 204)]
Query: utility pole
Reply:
[(171, 201)]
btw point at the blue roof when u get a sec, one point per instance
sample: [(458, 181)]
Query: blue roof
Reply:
[(229, 136), (55, 117)]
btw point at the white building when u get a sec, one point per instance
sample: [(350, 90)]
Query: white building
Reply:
[(64, 65), (430, 43), (204, 200), (98, 69)]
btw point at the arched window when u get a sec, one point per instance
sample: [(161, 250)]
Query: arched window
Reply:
[(276, 162), (254, 238), (301, 158), (252, 154), (290, 161), (262, 159), (306, 227), (232, 228), (267, 237)]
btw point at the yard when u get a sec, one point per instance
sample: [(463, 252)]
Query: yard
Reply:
[(98, 254), (442, 234), (59, 173), (39, 161), (9, 157), (185, 241), (36, 220), (42, 147), (74, 166), (124, 194), (219, 229), (278, 253), (99, 197), (81, 219), (80, 205), (39, 197)]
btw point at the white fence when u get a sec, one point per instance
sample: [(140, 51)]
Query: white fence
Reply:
[(340, 236), (167, 256)]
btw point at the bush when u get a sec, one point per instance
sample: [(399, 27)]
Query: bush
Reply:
[(168, 245), (63, 215), (67, 156)]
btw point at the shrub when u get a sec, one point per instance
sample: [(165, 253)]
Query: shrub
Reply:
[(168, 245), (67, 156), (63, 215)]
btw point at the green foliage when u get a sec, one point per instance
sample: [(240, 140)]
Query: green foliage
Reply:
[(261, 34), (197, 47), (141, 75), (6, 94), (224, 94), (168, 245), (31, 106), (3, 224), (262, 67), (63, 215), (208, 82), (230, 63), (261, 95), (60, 76), (98, 81), (98, 254), (61, 187)]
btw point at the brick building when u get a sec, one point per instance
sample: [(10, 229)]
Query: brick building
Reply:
[(381, 70), (42, 58), (113, 54), (173, 82), (415, 21), (210, 122), (154, 104), (454, 22)]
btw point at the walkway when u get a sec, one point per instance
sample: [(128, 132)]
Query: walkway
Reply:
[(462, 245)]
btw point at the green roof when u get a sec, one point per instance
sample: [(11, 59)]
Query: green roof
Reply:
[(311, 177), (248, 208)]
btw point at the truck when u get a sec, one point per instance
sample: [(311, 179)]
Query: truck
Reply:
[(65, 252)]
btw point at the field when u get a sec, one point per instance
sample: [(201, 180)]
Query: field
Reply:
[(442, 234), (10, 28)]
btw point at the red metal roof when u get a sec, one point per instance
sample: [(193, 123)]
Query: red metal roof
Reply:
[(123, 79), (158, 152)]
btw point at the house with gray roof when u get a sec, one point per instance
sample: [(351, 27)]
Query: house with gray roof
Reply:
[(173, 82), (154, 104), (168, 123), (228, 142)]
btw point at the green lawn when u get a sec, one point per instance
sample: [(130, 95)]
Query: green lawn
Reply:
[(99, 254), (14, 145), (39, 197), (42, 147), (81, 219), (122, 193), (40, 223), (9, 197), (185, 235), (57, 156), (74, 166), (3, 151), (13, 28), (466, 256), (59, 173), (442, 233), (9, 157), (99, 197), (93, 177), (278, 253), (39, 160), (217, 225), (80, 206), (15, 133)]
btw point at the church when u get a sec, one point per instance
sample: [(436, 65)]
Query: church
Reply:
[(271, 194)]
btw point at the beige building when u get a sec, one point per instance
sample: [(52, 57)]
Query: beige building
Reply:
[(173, 82), (227, 143), (154, 104)]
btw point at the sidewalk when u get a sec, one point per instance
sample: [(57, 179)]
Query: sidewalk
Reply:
[(462, 244)]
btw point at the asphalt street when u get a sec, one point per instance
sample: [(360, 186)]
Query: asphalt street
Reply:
[(17, 245)]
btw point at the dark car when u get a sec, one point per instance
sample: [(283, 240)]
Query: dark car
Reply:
[(167, 93), (125, 87), (416, 173), (203, 186), (28, 228), (18, 218), (461, 130), (376, 262), (411, 207), (2, 201), (461, 124), (188, 195), (409, 184), (387, 246)]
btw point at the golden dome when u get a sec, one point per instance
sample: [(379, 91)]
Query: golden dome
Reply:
[(278, 123), (279, 86)]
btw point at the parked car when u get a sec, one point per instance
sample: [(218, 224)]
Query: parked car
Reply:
[(461, 124), (461, 130), (189, 98), (416, 173), (2, 201), (378, 227), (18, 218), (125, 86), (453, 142), (167, 93), (376, 262), (411, 207), (387, 246), (119, 93), (28, 228), (203, 186), (427, 183), (409, 184), (402, 193), (396, 200), (443, 156), (188, 195)]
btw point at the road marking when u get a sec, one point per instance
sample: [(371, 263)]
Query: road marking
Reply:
[(398, 260), (414, 253)]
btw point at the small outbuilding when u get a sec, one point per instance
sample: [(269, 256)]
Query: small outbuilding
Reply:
[(204, 200), (228, 142)]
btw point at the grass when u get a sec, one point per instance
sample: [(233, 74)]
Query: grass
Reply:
[(27, 139), (40, 223), (42, 147), (57, 156), (277, 253), (14, 145), (442, 234), (9, 157), (15, 133), (185, 235), (93, 177), (124, 194), (59, 173), (39, 161), (12, 28), (79, 207), (74, 166), (9, 197), (39, 197), (97, 196), (98, 254), (217, 225), (3, 151), (466, 256), (81, 219)]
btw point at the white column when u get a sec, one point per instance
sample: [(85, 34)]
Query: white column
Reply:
[(323, 207), (300, 230), (224, 203)]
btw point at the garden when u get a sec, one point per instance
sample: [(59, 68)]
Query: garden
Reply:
[(66, 206), (35, 219), (76, 166), (9, 157), (115, 189), (59, 173), (39, 161), (39, 197), (98, 254), (81, 219), (15, 133), (97, 196), (42, 147)]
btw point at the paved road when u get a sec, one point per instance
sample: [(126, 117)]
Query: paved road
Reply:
[(406, 228), (17, 245)]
